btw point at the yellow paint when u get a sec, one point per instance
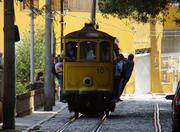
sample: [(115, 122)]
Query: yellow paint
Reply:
[(1, 27), (170, 23), (76, 72), (141, 35), (168, 87)]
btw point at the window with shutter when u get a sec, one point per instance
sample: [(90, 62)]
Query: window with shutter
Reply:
[(81, 5), (56, 5), (66, 4), (26, 4)]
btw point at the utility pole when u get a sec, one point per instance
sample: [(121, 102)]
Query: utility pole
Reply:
[(93, 12), (31, 42), (48, 84), (62, 23), (53, 53), (9, 66)]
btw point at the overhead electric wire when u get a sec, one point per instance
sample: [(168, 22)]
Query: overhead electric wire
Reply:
[(144, 32)]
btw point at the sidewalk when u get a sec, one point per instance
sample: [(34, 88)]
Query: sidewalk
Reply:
[(30, 122), (146, 97)]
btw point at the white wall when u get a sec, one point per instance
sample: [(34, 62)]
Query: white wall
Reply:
[(142, 73)]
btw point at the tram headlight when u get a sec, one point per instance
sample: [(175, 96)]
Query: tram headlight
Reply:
[(87, 81)]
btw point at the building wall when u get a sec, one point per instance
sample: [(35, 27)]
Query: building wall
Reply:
[(170, 18), (131, 36), (170, 49)]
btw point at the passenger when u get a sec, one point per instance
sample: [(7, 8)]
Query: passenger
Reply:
[(90, 54), (1, 61), (126, 74), (54, 73), (53, 69), (115, 53), (105, 55), (71, 52), (118, 76), (39, 76), (59, 71)]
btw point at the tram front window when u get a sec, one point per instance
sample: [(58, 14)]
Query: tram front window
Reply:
[(105, 51), (88, 51), (71, 51)]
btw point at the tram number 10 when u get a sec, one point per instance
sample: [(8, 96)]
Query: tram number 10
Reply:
[(100, 70)]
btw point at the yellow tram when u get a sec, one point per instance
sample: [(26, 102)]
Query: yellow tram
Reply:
[(88, 71)]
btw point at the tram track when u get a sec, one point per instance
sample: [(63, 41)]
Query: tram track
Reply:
[(103, 119), (68, 123), (98, 127), (157, 125)]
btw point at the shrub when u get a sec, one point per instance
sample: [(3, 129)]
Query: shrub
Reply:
[(23, 56)]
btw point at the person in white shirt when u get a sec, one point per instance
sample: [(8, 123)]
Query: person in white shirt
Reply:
[(59, 71), (90, 54)]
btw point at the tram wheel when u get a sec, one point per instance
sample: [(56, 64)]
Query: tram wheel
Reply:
[(76, 114)]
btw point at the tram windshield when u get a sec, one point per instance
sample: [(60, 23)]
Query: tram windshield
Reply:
[(105, 51), (88, 51)]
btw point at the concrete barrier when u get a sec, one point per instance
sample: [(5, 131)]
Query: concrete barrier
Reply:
[(28, 102)]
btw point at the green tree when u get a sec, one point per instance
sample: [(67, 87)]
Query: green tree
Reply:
[(140, 10), (23, 55)]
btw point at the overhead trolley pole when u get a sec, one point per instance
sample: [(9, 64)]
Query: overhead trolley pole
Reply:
[(9, 66), (93, 12)]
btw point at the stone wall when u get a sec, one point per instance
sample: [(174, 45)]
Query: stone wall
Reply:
[(28, 102)]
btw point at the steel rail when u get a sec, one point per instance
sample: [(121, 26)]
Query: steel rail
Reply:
[(104, 118), (98, 127), (157, 125), (62, 128)]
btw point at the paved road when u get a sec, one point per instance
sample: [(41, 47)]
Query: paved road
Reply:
[(129, 116), (138, 116)]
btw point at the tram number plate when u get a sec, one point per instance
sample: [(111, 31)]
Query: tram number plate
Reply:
[(100, 70)]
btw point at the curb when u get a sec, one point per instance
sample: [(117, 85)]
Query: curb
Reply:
[(44, 120)]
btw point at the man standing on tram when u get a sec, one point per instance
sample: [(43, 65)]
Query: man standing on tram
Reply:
[(124, 67)]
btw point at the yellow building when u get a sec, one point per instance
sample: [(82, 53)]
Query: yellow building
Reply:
[(143, 40)]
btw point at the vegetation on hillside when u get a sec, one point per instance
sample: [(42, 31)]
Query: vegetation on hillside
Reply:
[(139, 10)]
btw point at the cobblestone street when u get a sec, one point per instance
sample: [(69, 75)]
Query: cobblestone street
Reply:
[(134, 115)]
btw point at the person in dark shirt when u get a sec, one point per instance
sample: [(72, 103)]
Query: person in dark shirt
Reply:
[(128, 65)]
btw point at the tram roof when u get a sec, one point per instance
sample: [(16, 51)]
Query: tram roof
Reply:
[(88, 32)]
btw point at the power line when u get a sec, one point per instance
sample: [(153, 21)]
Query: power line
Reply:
[(148, 32)]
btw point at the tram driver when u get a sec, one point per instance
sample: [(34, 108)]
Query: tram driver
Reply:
[(71, 51)]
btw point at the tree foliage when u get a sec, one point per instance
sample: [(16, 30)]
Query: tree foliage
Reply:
[(23, 55), (140, 10)]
